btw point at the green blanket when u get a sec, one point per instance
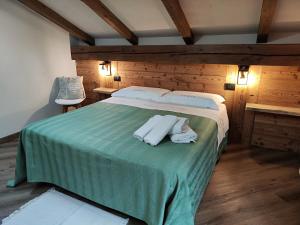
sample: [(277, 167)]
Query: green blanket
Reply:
[(91, 152)]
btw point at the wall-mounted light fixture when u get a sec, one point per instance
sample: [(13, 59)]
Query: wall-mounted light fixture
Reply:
[(105, 68), (242, 78)]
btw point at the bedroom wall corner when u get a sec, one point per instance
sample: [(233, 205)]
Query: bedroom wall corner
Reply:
[(34, 52)]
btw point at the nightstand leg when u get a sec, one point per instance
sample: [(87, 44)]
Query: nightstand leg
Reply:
[(248, 128)]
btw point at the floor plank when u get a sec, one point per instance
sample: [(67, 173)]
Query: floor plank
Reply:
[(249, 187)]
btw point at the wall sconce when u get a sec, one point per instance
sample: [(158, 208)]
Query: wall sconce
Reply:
[(242, 78), (105, 68)]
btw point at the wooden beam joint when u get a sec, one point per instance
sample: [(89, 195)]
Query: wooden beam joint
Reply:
[(267, 13), (262, 38), (176, 13)]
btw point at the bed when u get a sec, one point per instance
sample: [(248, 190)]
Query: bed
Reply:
[(92, 152)]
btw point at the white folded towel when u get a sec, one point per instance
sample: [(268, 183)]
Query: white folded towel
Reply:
[(160, 130), (146, 128), (180, 126), (188, 136)]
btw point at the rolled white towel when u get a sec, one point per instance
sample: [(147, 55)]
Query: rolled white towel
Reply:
[(180, 126), (188, 136), (160, 130), (146, 128)]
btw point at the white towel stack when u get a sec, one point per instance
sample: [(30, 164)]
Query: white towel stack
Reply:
[(157, 127), (180, 126), (147, 127), (186, 137), (160, 130)]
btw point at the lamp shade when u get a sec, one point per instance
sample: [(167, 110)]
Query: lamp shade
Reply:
[(105, 68), (242, 78)]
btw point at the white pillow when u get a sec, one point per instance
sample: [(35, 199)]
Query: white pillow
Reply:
[(137, 92), (195, 99)]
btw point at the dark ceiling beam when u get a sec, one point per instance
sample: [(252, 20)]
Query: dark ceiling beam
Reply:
[(101, 10), (176, 13), (266, 18), (51, 15), (239, 54)]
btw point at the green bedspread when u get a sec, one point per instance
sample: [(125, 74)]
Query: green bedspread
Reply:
[(91, 152)]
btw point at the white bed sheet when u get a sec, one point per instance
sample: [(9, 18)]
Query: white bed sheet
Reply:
[(220, 116)]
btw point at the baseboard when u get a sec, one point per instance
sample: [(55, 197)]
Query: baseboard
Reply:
[(9, 138)]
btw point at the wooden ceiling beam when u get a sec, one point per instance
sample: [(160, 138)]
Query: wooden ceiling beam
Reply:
[(266, 18), (51, 15), (256, 54), (176, 13), (101, 10)]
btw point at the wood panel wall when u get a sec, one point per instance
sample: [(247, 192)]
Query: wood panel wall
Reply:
[(89, 69), (278, 86), (275, 85)]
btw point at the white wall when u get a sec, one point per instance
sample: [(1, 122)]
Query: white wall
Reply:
[(33, 52)]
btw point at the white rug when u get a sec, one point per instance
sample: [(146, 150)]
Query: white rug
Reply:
[(55, 208)]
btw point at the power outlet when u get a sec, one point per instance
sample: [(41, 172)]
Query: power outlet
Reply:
[(229, 86), (117, 78)]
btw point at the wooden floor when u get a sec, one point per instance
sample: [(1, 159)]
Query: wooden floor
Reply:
[(249, 187)]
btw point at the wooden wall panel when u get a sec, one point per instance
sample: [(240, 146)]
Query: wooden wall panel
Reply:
[(276, 85), (209, 78), (253, 54), (251, 97), (280, 85), (91, 79)]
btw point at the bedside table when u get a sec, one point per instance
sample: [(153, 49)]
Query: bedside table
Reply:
[(104, 92), (272, 127)]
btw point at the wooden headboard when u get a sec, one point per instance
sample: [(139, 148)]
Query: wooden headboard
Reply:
[(199, 77)]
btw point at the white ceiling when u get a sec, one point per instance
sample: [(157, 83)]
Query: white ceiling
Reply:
[(80, 15), (287, 16), (222, 17), (148, 18)]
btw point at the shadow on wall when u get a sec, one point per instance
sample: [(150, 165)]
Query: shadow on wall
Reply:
[(50, 109), (283, 38)]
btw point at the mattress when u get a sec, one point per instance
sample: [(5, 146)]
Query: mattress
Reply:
[(91, 152)]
